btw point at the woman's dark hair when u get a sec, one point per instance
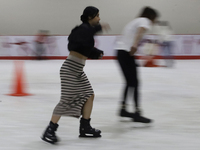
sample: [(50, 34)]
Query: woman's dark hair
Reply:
[(89, 11), (149, 13)]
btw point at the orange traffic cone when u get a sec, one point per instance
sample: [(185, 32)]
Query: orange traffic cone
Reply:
[(19, 85)]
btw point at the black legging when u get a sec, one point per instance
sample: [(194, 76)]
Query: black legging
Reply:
[(128, 66)]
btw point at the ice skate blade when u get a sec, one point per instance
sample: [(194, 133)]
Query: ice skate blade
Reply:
[(48, 141), (89, 136)]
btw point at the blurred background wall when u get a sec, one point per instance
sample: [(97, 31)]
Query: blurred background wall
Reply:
[(26, 17)]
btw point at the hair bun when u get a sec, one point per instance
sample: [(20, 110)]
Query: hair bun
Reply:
[(83, 18)]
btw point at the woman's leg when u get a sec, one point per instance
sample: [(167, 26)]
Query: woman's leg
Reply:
[(134, 82), (123, 59), (87, 108), (85, 129), (125, 62), (125, 95), (55, 118), (135, 85), (136, 98)]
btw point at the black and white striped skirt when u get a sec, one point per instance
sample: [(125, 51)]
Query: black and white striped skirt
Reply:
[(75, 88)]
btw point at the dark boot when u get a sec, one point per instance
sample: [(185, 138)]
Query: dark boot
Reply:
[(86, 130), (138, 118), (135, 116), (49, 134), (124, 113)]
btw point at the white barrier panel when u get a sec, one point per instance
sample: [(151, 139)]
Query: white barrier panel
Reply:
[(183, 45), (25, 46)]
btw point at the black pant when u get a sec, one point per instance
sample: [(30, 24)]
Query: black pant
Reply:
[(129, 69)]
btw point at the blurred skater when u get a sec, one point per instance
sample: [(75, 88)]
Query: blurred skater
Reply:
[(40, 40), (126, 48), (166, 42)]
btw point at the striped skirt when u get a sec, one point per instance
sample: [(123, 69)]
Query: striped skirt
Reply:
[(75, 88)]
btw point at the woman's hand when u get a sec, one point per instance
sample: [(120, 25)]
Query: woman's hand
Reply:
[(105, 26), (133, 50), (101, 55)]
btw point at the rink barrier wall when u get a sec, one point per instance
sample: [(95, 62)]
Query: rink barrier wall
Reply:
[(23, 47), (104, 58)]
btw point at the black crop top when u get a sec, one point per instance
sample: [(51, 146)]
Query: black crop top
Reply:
[(81, 40)]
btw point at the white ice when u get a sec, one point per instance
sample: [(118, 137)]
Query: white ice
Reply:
[(169, 96)]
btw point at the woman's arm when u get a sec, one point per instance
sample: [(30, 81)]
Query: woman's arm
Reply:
[(139, 35)]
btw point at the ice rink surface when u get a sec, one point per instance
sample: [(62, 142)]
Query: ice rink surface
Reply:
[(169, 96)]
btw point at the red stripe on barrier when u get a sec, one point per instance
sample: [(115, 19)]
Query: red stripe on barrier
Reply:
[(64, 57)]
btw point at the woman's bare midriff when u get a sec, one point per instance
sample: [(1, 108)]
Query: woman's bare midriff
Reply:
[(76, 54)]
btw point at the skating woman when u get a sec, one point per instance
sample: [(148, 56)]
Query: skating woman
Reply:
[(126, 47), (77, 94)]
